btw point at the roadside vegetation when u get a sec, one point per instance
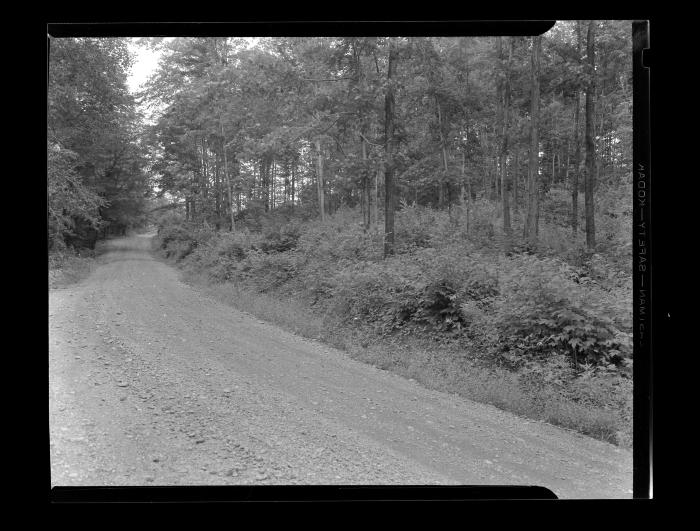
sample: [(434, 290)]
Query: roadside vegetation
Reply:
[(543, 332), (69, 267)]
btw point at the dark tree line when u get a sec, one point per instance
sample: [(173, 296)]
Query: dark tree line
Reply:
[(96, 176)]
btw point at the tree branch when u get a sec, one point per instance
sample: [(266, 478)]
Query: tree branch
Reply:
[(369, 142)]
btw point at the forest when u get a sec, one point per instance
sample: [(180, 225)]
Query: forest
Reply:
[(456, 209)]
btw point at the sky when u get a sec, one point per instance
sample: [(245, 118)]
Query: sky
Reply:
[(145, 63)]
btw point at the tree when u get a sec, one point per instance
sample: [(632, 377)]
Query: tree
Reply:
[(96, 177), (389, 200), (69, 199), (505, 105), (319, 181), (533, 180), (321, 122), (577, 143), (228, 178), (590, 143)]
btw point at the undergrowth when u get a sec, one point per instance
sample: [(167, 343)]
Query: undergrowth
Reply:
[(69, 266), (544, 332)]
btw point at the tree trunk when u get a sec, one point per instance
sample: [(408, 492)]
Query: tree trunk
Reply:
[(466, 193), (559, 163), (195, 186), (504, 145), (443, 147), (319, 181), (265, 188), (285, 182), (237, 173), (498, 159), (270, 184), (193, 196), (205, 172), (577, 165), (273, 183), (217, 194), (577, 143), (462, 189), (516, 170), (389, 147), (264, 183), (375, 202), (294, 163), (365, 174), (228, 180), (533, 180), (365, 185), (590, 143)]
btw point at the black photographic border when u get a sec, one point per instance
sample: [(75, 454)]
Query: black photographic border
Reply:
[(642, 253)]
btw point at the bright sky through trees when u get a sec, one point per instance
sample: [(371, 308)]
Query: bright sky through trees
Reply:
[(145, 62)]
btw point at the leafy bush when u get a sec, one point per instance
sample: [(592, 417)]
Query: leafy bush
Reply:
[(414, 226), (338, 241), (69, 266), (267, 271), (219, 254), (187, 242), (178, 241), (73, 206), (482, 222), (281, 239), (423, 289), (234, 245), (545, 312), (453, 278)]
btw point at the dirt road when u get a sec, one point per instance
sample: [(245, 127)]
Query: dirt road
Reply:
[(152, 383)]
